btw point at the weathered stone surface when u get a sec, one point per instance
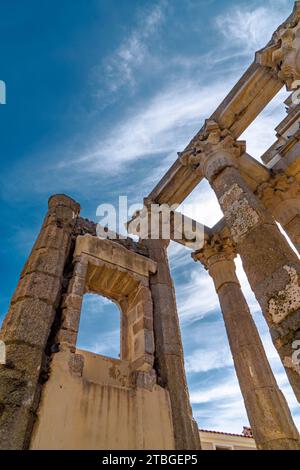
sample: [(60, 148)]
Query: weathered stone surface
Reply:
[(280, 435), (271, 265), (292, 228), (52, 237), (144, 362), (15, 427), (267, 409), (281, 195), (29, 321), (38, 286), (281, 56), (143, 323), (115, 254), (27, 326), (45, 260), (168, 348), (24, 357), (120, 270), (109, 269)]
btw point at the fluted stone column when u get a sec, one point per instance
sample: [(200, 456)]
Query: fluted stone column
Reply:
[(281, 195), (169, 360), (26, 328), (269, 416), (271, 265)]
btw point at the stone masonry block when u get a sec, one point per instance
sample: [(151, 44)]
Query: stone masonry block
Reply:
[(15, 426), (46, 260), (72, 301), (143, 323), (29, 321), (71, 318), (53, 237), (26, 358), (77, 285), (39, 286)]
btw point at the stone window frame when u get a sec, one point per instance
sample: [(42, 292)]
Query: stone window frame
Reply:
[(106, 268)]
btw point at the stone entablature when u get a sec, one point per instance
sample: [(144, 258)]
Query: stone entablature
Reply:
[(282, 55)]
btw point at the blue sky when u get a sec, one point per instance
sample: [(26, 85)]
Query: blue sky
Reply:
[(100, 97)]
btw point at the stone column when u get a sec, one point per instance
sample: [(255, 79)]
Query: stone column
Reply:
[(271, 265), (169, 362), (281, 195), (27, 326), (267, 409)]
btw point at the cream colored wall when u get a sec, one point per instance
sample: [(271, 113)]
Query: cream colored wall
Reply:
[(210, 440), (102, 409)]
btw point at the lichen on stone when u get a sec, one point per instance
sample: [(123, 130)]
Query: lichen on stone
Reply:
[(290, 364), (287, 300), (241, 217)]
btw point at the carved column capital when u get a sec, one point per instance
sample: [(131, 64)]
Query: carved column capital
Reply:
[(217, 256), (280, 186), (214, 150), (281, 195), (217, 249), (283, 55)]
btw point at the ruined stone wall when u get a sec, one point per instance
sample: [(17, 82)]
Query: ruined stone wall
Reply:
[(68, 396), (100, 407)]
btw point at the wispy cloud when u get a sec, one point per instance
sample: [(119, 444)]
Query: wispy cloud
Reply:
[(196, 296), (121, 67), (190, 84), (162, 125), (106, 344), (225, 390), (214, 352), (250, 27)]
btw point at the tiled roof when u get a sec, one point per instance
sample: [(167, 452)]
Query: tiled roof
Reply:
[(226, 433)]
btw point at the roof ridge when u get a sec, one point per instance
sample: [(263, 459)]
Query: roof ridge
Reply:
[(226, 433)]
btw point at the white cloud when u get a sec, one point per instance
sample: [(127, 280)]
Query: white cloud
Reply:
[(229, 415), (196, 298), (94, 304), (251, 28), (211, 347), (202, 205), (204, 360), (163, 125), (224, 390), (121, 68), (222, 405), (106, 344), (179, 256)]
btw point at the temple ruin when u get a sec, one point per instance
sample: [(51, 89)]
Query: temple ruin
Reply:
[(55, 396)]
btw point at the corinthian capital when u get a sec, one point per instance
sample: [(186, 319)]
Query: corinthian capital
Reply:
[(279, 188), (216, 250), (217, 256), (214, 150), (282, 56)]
